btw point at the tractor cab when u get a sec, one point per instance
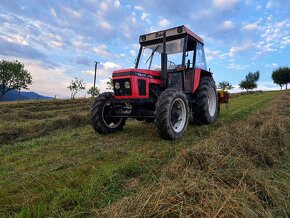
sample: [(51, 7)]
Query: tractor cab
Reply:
[(182, 47), (169, 81)]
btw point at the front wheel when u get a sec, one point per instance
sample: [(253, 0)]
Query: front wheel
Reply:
[(99, 115), (171, 111)]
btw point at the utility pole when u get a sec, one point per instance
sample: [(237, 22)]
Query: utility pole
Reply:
[(96, 67)]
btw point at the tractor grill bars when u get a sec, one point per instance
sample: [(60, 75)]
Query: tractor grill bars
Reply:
[(142, 87)]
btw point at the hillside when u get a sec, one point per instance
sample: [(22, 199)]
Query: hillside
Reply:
[(53, 164), (13, 95)]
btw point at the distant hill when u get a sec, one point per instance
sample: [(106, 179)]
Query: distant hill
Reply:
[(13, 96)]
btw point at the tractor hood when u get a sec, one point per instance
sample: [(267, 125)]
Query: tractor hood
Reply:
[(152, 74)]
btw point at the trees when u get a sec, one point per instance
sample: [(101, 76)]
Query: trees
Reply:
[(281, 76), (75, 86), (94, 91), (13, 76), (250, 81), (225, 85)]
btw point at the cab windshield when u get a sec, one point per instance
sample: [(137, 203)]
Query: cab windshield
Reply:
[(151, 55)]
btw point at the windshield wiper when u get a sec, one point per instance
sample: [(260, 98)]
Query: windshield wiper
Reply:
[(152, 53)]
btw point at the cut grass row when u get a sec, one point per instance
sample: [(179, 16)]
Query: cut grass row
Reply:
[(19, 131), (241, 170), (27, 115), (48, 106), (72, 171), (41, 104)]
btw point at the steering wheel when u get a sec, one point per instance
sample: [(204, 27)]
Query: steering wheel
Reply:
[(171, 63)]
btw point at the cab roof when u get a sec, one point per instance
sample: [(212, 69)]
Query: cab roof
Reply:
[(177, 32)]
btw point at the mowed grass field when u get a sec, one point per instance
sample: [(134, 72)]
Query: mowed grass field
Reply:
[(53, 164)]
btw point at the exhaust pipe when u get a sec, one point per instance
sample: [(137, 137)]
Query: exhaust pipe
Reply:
[(164, 62)]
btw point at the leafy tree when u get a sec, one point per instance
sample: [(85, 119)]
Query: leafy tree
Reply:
[(13, 76), (94, 91), (281, 76), (250, 81), (110, 84), (225, 85), (75, 86)]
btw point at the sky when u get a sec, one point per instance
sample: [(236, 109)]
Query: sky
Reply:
[(60, 40)]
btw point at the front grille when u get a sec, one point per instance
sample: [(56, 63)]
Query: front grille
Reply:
[(122, 91), (142, 86)]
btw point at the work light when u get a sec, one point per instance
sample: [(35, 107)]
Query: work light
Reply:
[(117, 85), (127, 84)]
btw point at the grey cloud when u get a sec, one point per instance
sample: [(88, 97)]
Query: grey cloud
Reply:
[(82, 60), (18, 51)]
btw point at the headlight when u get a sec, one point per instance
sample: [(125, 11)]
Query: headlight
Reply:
[(117, 85), (127, 85)]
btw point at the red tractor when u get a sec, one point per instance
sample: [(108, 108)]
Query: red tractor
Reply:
[(170, 80)]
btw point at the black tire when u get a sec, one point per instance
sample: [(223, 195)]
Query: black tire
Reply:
[(101, 107), (203, 112), (171, 111)]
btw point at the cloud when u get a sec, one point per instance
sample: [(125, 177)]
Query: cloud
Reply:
[(270, 4), (102, 51), (83, 60), (164, 23), (280, 4), (214, 54), (275, 36), (227, 25), (16, 49), (225, 4), (139, 8), (117, 4), (144, 16), (273, 65), (237, 66), (235, 50)]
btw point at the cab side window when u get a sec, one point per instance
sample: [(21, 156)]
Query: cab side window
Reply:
[(189, 59), (200, 57)]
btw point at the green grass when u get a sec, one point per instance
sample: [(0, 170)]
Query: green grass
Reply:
[(54, 167)]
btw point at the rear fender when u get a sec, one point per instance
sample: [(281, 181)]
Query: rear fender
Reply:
[(198, 73)]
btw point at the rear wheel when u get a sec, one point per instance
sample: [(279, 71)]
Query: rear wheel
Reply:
[(171, 112), (205, 106), (101, 109)]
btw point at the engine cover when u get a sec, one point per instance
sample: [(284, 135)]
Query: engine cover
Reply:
[(138, 80)]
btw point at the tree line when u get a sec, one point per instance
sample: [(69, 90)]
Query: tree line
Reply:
[(280, 76)]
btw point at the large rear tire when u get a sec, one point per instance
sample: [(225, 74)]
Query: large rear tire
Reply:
[(205, 106), (100, 109), (171, 111)]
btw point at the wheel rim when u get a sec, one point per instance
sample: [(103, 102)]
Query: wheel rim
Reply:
[(178, 115), (211, 102), (109, 122)]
